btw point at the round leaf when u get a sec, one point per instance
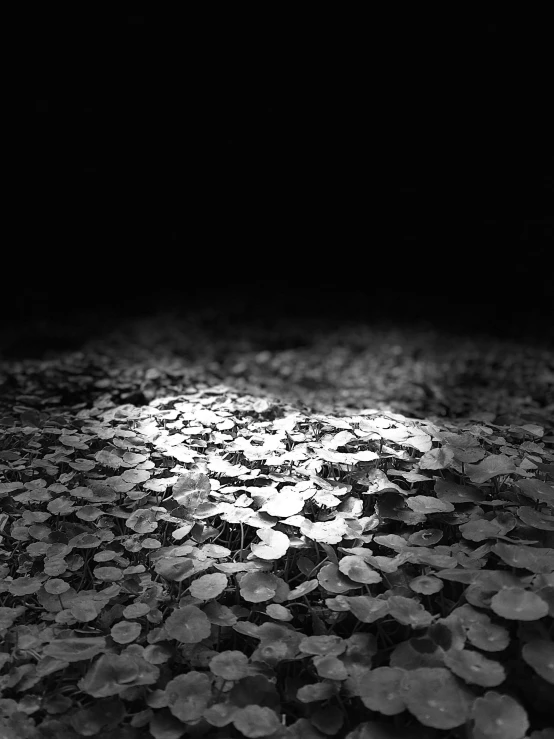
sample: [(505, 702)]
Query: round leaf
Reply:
[(188, 625), (499, 716), (380, 691), (435, 698), (519, 604)]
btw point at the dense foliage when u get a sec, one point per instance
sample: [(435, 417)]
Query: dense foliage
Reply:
[(347, 535)]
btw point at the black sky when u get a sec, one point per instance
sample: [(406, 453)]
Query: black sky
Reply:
[(287, 162)]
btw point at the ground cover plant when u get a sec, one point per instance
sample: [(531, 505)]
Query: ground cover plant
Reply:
[(350, 535)]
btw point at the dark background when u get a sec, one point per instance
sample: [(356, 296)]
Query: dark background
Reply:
[(399, 171)]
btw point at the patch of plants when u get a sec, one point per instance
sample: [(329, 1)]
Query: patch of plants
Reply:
[(218, 564)]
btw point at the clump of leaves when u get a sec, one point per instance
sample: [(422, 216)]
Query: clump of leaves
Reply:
[(223, 564)]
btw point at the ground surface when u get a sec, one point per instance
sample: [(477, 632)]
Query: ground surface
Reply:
[(247, 530)]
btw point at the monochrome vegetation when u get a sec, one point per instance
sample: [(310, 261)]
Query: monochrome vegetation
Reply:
[(299, 533)]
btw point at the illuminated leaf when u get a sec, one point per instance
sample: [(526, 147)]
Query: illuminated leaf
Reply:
[(223, 467), (274, 546), (328, 532), (437, 459), (182, 531), (192, 489), (340, 439), (285, 503)]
